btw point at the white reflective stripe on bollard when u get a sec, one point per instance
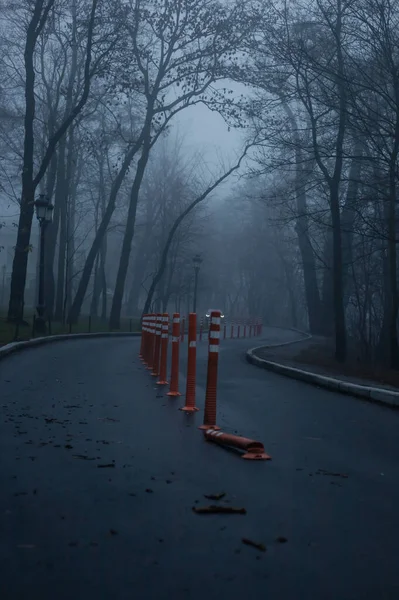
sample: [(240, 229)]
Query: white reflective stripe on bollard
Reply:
[(213, 348), (214, 334), (215, 320), (192, 344)]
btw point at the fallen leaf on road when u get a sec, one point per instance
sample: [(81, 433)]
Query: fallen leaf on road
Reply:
[(215, 496), (109, 466), (202, 510), (108, 419), (113, 532), (68, 446), (256, 545), (281, 539), (149, 491), (331, 474), (82, 457)]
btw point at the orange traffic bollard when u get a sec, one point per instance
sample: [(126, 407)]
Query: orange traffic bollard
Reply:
[(183, 322), (164, 349), (151, 342), (252, 450), (174, 372), (212, 375), (143, 324), (191, 364), (157, 346), (143, 337)]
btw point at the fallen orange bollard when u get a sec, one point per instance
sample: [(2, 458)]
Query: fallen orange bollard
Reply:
[(253, 450), (174, 371), (191, 364)]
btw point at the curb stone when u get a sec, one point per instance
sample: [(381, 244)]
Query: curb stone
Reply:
[(307, 336), (373, 394), (25, 345)]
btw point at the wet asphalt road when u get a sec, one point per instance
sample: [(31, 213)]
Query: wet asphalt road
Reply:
[(74, 527)]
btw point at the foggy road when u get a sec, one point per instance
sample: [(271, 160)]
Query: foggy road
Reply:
[(100, 471)]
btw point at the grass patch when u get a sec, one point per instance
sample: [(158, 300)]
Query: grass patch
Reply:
[(10, 333)]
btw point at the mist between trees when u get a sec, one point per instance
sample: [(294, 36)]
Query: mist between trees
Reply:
[(89, 92)]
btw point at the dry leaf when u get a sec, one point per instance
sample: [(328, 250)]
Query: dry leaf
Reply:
[(215, 496), (256, 545), (213, 509)]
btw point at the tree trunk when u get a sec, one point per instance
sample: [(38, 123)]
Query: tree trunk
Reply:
[(20, 260), (96, 289), (393, 283), (74, 174), (348, 217), (62, 199), (339, 311), (98, 239), (115, 315), (103, 255), (302, 174), (51, 240)]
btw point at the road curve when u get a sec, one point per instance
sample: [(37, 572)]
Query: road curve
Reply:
[(73, 527)]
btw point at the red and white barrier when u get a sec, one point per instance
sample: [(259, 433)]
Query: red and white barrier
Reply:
[(174, 371), (164, 349), (157, 345), (212, 374), (191, 364)]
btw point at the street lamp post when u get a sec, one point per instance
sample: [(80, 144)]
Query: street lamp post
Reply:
[(44, 214), (197, 260)]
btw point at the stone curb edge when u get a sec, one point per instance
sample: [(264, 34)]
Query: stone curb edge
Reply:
[(373, 394), (306, 337), (25, 345)]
